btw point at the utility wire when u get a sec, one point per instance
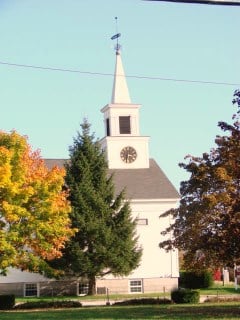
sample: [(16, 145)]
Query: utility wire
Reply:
[(110, 74)]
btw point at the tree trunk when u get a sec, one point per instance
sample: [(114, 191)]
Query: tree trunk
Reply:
[(92, 285)]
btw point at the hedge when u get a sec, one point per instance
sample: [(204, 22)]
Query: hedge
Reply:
[(185, 296), (142, 301), (194, 280), (7, 301), (41, 304)]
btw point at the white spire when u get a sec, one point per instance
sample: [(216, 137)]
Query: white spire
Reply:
[(120, 92)]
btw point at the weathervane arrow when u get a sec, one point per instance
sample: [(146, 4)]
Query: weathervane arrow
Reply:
[(115, 36)]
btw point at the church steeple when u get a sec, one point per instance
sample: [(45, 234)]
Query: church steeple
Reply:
[(124, 146), (120, 93)]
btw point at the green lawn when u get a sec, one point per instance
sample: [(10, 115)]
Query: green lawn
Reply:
[(100, 296), (176, 312), (218, 288)]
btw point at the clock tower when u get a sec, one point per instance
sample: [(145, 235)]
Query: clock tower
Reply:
[(124, 146)]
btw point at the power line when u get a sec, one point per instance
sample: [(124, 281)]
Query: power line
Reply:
[(211, 2), (110, 74)]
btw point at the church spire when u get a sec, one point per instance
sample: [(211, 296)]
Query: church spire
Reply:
[(125, 148), (120, 93)]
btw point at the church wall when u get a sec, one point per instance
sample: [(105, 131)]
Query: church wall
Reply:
[(155, 262), (158, 270), (114, 286), (160, 284), (149, 285), (12, 288), (44, 288)]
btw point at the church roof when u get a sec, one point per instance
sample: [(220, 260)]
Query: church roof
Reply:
[(149, 183)]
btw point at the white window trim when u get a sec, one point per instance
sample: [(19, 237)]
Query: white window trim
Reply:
[(84, 284), (136, 286), (142, 221), (24, 289)]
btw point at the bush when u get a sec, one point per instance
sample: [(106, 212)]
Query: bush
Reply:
[(7, 301), (142, 301), (194, 280), (185, 296), (49, 304)]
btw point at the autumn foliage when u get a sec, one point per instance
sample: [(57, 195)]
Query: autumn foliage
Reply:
[(207, 222), (34, 211)]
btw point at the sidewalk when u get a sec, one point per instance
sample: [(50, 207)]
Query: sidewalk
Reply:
[(95, 303), (221, 297), (203, 298)]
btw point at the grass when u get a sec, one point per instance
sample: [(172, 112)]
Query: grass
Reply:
[(218, 311), (112, 297), (219, 289)]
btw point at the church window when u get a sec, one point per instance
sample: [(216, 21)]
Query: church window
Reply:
[(31, 290), (108, 127), (142, 222), (135, 286), (102, 290), (124, 125), (83, 288)]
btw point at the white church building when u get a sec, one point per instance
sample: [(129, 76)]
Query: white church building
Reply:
[(150, 193)]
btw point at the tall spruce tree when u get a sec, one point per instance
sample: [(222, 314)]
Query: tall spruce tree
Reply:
[(207, 221), (106, 241)]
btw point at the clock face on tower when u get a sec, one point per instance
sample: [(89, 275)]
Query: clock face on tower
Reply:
[(128, 154)]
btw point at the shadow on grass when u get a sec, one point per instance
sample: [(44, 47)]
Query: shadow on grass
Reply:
[(175, 312)]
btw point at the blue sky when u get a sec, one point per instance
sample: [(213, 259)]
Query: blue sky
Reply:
[(159, 40)]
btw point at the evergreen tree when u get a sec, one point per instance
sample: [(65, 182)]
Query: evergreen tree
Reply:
[(207, 221), (105, 241)]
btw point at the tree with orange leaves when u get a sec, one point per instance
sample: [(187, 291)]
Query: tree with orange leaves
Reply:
[(34, 211)]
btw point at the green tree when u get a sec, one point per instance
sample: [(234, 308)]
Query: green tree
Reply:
[(207, 221), (34, 210), (106, 241)]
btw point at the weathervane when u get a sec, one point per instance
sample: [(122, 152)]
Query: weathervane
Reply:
[(116, 36)]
